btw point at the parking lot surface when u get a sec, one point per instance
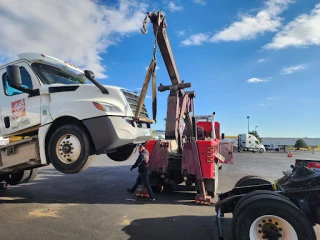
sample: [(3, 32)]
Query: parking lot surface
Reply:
[(94, 204)]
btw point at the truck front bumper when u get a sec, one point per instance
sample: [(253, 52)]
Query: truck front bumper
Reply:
[(110, 132)]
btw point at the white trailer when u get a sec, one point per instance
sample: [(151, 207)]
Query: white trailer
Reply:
[(248, 142), (67, 121)]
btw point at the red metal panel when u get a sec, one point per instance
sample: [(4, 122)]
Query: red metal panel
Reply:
[(150, 145), (217, 129), (206, 149), (190, 161), (159, 157)]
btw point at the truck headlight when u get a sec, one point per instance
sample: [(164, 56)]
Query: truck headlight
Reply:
[(106, 107)]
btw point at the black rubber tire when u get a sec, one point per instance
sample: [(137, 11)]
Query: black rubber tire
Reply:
[(17, 177), (33, 174), (251, 180), (83, 161), (122, 154), (261, 150), (267, 204), (239, 205)]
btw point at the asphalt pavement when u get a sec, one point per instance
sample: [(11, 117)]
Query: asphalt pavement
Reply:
[(94, 204)]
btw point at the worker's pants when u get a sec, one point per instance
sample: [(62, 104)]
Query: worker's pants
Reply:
[(143, 179)]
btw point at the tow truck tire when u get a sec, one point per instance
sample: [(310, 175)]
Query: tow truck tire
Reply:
[(17, 177), (122, 153), (271, 216), (69, 149), (251, 180)]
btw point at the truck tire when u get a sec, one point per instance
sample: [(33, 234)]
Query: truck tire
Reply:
[(268, 216), (17, 177), (251, 180), (33, 174), (122, 153), (238, 207), (261, 150), (69, 149)]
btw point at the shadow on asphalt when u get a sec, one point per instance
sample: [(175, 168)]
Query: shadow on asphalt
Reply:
[(177, 227), (96, 185)]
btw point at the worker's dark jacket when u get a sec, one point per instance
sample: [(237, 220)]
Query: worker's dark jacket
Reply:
[(143, 161)]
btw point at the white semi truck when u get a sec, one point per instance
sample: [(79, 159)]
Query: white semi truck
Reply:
[(66, 119), (248, 142)]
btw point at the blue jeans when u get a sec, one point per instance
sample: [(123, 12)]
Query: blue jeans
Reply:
[(143, 179)]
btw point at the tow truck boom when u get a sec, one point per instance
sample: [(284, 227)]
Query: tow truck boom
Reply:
[(180, 103)]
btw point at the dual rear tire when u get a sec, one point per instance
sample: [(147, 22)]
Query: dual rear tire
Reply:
[(264, 214)]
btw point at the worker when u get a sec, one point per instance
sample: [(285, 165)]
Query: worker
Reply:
[(143, 168)]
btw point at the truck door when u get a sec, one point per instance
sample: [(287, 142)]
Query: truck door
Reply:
[(19, 111)]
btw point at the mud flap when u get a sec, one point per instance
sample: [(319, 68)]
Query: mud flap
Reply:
[(226, 150)]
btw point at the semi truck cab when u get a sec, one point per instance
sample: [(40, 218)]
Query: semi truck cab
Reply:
[(66, 114)]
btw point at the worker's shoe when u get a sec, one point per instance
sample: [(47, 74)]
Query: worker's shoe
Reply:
[(152, 199), (129, 191)]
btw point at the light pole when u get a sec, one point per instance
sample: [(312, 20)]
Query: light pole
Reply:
[(248, 123), (255, 129)]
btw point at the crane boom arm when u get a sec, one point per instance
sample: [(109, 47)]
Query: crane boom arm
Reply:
[(159, 28), (180, 103)]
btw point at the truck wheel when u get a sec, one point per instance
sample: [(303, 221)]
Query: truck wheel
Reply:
[(261, 150), (122, 153), (267, 216), (238, 207), (251, 180), (17, 177), (33, 174), (69, 149)]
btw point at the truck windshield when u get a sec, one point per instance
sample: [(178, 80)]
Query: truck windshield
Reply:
[(56, 73)]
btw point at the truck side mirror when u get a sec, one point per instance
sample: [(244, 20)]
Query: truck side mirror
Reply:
[(89, 74), (222, 136), (14, 75)]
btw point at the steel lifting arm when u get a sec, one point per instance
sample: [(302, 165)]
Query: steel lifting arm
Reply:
[(180, 103)]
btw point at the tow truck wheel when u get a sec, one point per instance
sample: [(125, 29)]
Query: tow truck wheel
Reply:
[(251, 180), (17, 177), (122, 153), (69, 149), (271, 217)]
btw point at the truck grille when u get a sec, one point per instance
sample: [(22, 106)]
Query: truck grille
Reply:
[(133, 100)]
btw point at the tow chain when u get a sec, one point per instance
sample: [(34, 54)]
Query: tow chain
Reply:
[(151, 72)]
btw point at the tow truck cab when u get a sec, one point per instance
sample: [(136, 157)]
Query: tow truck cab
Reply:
[(67, 119)]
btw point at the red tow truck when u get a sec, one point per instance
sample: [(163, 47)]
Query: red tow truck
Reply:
[(192, 149)]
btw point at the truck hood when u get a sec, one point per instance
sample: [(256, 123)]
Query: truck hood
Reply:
[(88, 93)]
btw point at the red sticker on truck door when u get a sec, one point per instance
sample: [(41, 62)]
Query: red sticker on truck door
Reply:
[(18, 109)]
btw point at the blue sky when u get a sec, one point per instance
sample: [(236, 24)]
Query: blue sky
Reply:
[(244, 58)]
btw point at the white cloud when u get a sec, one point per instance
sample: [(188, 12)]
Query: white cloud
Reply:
[(261, 60), (196, 39), (249, 26), (201, 2), (266, 20), (181, 33), (79, 32), (148, 96), (262, 104), (256, 80), (292, 69), (302, 31), (174, 8), (270, 98)]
